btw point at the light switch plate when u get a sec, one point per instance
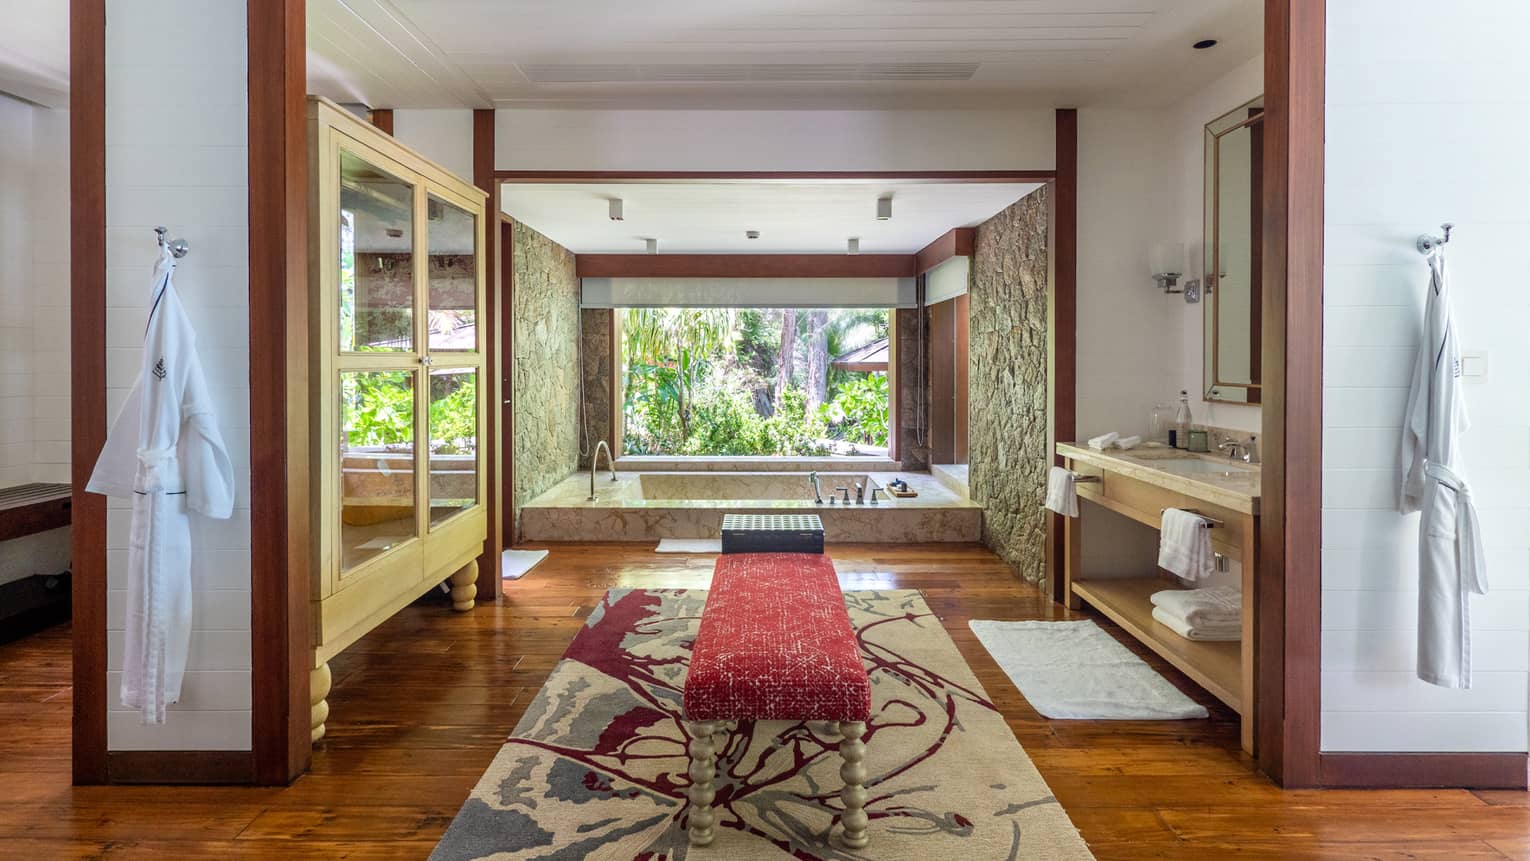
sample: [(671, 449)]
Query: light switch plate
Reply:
[(1474, 364)]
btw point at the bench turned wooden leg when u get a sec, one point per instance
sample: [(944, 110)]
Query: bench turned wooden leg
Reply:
[(853, 771), (703, 770)]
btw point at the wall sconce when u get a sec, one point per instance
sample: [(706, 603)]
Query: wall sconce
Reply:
[(1166, 264)]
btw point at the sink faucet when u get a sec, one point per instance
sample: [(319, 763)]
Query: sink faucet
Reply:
[(1246, 450), (595, 465), (817, 491)]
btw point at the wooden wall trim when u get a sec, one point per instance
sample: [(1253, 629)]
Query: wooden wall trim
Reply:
[(506, 228), (183, 767), (745, 266), (382, 118), (1062, 326), (943, 176), (1289, 584), (489, 564), (87, 380), (1426, 770), (280, 636), (956, 242)]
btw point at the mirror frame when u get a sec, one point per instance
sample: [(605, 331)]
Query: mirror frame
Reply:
[(1238, 118)]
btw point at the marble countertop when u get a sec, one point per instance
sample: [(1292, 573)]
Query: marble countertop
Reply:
[(1235, 485)]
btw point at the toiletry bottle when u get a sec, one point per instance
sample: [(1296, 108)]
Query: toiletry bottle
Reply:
[(1162, 421), (1182, 421)]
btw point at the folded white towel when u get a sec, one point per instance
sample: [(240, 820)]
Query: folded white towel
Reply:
[(1062, 496), (1184, 545), (1128, 442), (1104, 441), (1225, 633), (1216, 605)]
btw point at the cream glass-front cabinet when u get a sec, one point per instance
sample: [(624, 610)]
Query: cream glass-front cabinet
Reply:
[(396, 372)]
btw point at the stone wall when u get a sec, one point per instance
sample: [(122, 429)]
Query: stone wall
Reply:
[(1007, 366), (595, 331), (913, 398), (546, 375)]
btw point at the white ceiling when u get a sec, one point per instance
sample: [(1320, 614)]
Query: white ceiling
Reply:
[(34, 51), (773, 53), (800, 217)]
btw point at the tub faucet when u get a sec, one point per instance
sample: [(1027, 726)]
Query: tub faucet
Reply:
[(860, 493), (817, 491), (595, 465)]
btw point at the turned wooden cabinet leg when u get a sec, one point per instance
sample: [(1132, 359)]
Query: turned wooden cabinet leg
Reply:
[(319, 682), (853, 771), (703, 770), (465, 587)]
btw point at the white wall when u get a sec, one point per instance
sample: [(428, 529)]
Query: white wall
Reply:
[(773, 140), (34, 293), (443, 136), (1189, 119), (1428, 120), (182, 162)]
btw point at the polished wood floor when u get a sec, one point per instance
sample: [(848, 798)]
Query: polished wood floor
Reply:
[(421, 705)]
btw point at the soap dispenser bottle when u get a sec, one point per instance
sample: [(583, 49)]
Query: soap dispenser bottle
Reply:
[(1179, 435)]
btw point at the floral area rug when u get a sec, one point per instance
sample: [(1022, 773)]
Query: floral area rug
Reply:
[(596, 769)]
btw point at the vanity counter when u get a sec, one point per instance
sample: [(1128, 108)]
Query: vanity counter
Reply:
[(1232, 485)]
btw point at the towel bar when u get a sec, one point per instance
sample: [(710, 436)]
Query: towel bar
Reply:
[(1080, 478), (1211, 522)]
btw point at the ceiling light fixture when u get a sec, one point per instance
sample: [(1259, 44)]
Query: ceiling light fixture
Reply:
[(884, 208), (616, 210), (1204, 44), (752, 234), (853, 246), (653, 245)]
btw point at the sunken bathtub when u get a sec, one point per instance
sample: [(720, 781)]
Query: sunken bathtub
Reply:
[(649, 505)]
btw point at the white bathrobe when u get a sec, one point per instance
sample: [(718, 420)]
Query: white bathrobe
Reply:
[(165, 453), (1450, 563)]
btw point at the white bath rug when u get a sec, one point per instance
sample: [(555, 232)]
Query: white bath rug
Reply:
[(514, 564), (1074, 670), (689, 545)]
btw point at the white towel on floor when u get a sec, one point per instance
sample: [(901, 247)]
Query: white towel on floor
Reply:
[(1213, 606), (1104, 441), (1062, 496), (1184, 545), (1217, 633)]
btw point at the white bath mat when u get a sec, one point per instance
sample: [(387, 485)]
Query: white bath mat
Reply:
[(1074, 670), (513, 564), (689, 545)]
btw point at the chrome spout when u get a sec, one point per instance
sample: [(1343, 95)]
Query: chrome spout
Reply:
[(595, 466)]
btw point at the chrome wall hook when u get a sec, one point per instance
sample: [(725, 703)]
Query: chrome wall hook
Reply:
[(1428, 244), (178, 247)]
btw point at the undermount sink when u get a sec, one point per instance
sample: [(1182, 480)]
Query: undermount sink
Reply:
[(1202, 466)]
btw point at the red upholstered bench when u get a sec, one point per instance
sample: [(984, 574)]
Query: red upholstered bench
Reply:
[(775, 643)]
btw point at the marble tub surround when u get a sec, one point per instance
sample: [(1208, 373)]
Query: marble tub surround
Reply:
[(769, 463), (953, 476), (650, 506), (1215, 478)]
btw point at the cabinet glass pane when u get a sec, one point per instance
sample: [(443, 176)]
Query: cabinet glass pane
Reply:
[(453, 441), (376, 259), (453, 275), (377, 463)]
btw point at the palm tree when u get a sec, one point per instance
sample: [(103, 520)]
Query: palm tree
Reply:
[(682, 340)]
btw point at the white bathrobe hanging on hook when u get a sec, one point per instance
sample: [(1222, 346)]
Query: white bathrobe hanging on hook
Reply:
[(1450, 560), (165, 453)]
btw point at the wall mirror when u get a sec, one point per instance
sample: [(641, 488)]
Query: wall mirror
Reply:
[(1234, 230)]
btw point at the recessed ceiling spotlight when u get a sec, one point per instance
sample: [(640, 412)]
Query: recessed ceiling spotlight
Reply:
[(884, 208), (1204, 44), (616, 209), (752, 234), (653, 245), (853, 246)]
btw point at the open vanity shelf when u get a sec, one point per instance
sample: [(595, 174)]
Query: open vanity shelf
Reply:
[(1139, 485)]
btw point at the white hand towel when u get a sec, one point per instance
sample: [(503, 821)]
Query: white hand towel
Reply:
[(1212, 606), (1104, 441), (1062, 496), (1224, 633), (1184, 545), (1127, 443)]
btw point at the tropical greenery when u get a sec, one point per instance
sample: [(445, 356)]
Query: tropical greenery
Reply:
[(377, 410), (750, 382)]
